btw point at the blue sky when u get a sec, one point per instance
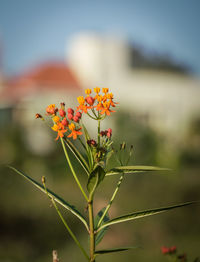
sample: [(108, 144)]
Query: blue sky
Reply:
[(39, 30)]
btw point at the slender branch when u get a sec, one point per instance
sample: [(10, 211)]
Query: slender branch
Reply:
[(72, 170), (64, 221), (91, 116), (111, 200)]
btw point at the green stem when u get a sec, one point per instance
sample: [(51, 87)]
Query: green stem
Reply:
[(65, 224), (99, 121), (111, 200), (72, 169), (92, 236)]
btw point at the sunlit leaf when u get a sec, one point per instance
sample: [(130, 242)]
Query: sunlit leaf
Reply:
[(134, 170), (142, 214), (57, 198), (99, 236)]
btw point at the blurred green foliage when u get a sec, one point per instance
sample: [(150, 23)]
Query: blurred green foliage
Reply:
[(30, 228)]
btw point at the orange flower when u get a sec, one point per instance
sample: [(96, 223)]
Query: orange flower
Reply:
[(105, 90), (99, 106), (59, 127), (74, 132), (51, 109), (88, 91), (110, 97), (56, 119), (97, 90), (106, 109), (82, 105)]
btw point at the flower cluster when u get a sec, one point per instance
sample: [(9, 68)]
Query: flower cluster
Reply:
[(62, 123), (101, 102), (168, 250), (68, 120), (171, 252)]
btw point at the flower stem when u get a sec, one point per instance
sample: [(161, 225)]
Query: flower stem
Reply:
[(99, 121), (65, 223), (111, 200), (92, 236), (72, 169)]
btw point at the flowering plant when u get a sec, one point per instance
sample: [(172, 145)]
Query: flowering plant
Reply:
[(68, 124)]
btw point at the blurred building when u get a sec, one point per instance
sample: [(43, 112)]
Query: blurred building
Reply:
[(29, 93), (156, 88)]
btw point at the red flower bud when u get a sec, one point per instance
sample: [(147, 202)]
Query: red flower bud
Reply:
[(172, 249), (62, 112), (70, 111), (92, 142), (70, 116), (78, 114), (109, 132), (89, 100), (65, 122), (76, 119), (102, 133), (165, 250)]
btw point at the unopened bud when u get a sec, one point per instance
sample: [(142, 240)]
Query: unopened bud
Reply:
[(62, 106), (62, 112), (70, 111), (70, 116), (38, 116), (78, 114), (65, 122), (89, 100), (43, 180), (76, 119)]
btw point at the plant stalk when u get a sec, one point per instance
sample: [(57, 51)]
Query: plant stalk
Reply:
[(91, 225), (99, 121)]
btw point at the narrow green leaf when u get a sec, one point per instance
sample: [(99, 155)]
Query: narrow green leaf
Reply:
[(99, 236), (141, 214), (95, 178), (57, 198), (78, 155), (134, 170), (112, 250)]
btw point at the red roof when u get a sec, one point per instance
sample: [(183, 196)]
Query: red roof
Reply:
[(45, 77)]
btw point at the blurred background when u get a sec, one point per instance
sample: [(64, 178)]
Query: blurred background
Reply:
[(147, 53)]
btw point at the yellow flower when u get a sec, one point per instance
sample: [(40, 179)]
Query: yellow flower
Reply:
[(56, 119), (105, 90), (60, 129), (97, 90), (71, 126), (81, 100), (110, 96), (88, 91), (55, 127), (51, 109)]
